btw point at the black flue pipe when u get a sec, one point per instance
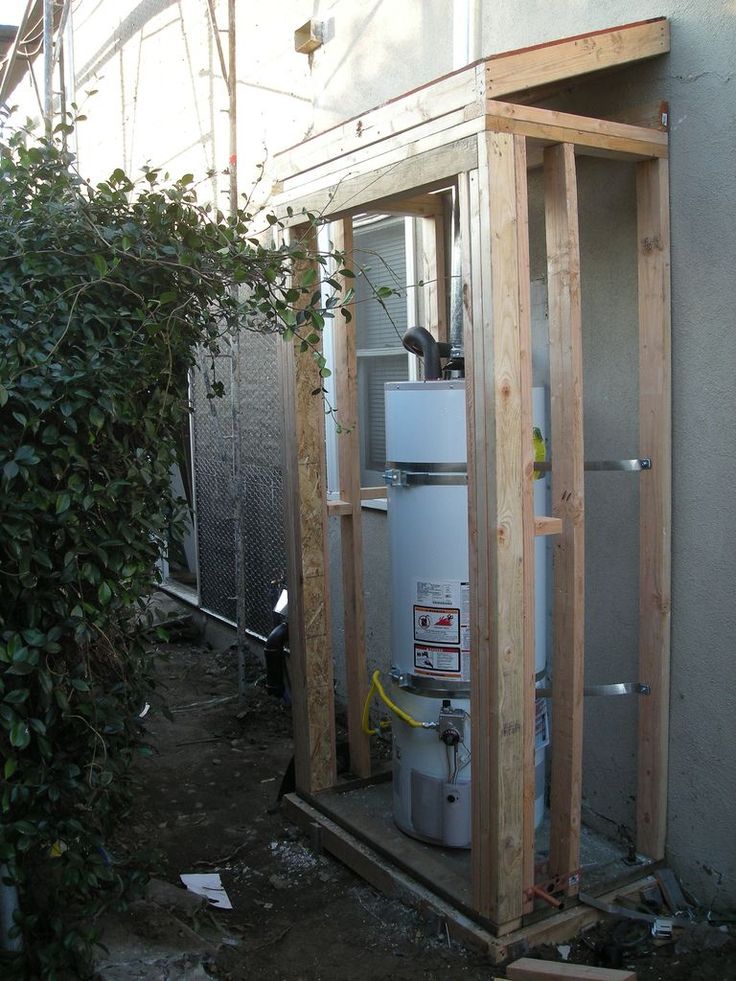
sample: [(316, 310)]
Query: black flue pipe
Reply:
[(419, 341), (273, 653)]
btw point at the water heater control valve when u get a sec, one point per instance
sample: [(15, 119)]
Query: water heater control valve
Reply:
[(451, 724)]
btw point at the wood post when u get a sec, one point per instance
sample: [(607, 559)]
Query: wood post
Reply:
[(351, 527), (432, 273), (655, 501), (306, 547), (566, 397), (493, 219)]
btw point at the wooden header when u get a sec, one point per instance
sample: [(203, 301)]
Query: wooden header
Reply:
[(506, 74)]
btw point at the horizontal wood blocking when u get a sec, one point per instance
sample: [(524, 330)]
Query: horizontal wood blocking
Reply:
[(493, 77), (582, 131), (341, 507), (547, 525)]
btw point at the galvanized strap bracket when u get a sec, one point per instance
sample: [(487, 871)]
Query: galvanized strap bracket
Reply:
[(412, 474), (627, 466), (620, 688)]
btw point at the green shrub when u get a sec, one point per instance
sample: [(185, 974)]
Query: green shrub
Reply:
[(105, 294)]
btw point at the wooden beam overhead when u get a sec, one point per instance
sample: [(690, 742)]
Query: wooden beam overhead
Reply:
[(584, 131), (415, 168), (568, 58), (468, 89)]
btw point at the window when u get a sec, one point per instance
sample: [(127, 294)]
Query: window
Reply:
[(384, 250)]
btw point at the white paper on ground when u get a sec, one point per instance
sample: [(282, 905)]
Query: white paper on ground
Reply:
[(209, 885)]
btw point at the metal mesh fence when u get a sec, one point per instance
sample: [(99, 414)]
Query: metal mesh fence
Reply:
[(259, 488)]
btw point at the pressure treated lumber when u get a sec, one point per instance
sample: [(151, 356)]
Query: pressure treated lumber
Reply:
[(568, 616), (491, 78), (530, 969), (351, 526), (494, 219), (310, 662), (655, 497)]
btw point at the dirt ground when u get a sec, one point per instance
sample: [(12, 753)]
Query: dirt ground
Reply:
[(206, 805)]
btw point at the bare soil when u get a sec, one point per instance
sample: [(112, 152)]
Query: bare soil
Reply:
[(206, 804)]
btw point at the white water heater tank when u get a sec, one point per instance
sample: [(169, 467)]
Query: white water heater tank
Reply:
[(430, 630)]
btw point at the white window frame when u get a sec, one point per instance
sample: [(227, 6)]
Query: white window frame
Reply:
[(331, 435)]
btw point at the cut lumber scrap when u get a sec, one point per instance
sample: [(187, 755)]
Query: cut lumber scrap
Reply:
[(529, 969)]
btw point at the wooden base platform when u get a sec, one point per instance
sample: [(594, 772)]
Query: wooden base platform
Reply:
[(384, 875)]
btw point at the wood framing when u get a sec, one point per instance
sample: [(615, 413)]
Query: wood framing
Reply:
[(496, 516), (328, 836), (351, 528), (568, 497), (655, 501), (306, 547), (493, 78), (401, 159)]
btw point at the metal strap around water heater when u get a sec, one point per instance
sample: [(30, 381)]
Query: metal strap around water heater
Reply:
[(410, 474), (433, 687), (628, 466), (619, 688)]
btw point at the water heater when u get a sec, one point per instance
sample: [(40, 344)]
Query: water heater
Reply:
[(426, 474)]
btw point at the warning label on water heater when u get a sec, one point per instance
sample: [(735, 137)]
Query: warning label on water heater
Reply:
[(437, 660), (441, 630), (437, 624)]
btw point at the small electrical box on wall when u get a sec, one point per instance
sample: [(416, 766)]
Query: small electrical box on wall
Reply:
[(309, 37)]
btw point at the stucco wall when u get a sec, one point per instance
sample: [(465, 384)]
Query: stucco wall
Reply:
[(160, 98)]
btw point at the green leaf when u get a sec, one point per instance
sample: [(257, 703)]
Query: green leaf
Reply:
[(20, 735), (96, 417), (100, 265), (11, 765), (3, 395), (17, 696), (63, 502), (309, 277), (104, 593)]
